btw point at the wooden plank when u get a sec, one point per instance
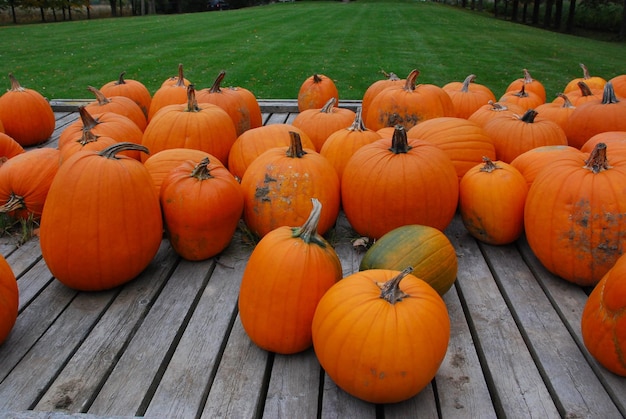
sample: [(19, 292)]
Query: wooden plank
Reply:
[(24, 257), (75, 387), (140, 367), (337, 404), (424, 402), (32, 282), (516, 385)]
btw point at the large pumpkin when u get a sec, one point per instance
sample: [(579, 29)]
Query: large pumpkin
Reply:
[(315, 91), (532, 162), (288, 272), (603, 322), (575, 216), (381, 334), (426, 249), (9, 299), (101, 224)]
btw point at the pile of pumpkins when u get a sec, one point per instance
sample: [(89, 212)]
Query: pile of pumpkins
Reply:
[(196, 162)]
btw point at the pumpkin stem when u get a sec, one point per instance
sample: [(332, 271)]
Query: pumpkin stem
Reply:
[(497, 106), (390, 290), (15, 85), (608, 96), (566, 102), (328, 106), (111, 151), (14, 203), (87, 119), (308, 231), (295, 149), (489, 165), (466, 83), (192, 102), (317, 78), (180, 82), (390, 76), (584, 89), (586, 75), (358, 124), (216, 88), (121, 79), (597, 161), (201, 171), (522, 92), (529, 116), (87, 137), (399, 141), (100, 97), (411, 80), (527, 77)]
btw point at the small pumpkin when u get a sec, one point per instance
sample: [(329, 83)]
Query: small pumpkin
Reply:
[(315, 91), (425, 248), (130, 88), (525, 99), (288, 272), (9, 299), (381, 334), (582, 95)]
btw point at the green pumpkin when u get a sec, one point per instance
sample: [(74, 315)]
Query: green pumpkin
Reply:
[(425, 248)]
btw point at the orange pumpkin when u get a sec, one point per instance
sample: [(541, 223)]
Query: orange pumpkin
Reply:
[(26, 115), (528, 84), (132, 89), (491, 201), (558, 112), (316, 91), (25, 181), (574, 219), (101, 224), (318, 123), (619, 85), (582, 95), (202, 204), (9, 299), (525, 99), (8, 148), (287, 273), (603, 322), (279, 184), (361, 334), (492, 110), (390, 80), (594, 82), (117, 104), (533, 161), (390, 183), (608, 137), (467, 96), (171, 92), (90, 141)]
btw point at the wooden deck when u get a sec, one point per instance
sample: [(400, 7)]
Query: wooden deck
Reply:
[(169, 344)]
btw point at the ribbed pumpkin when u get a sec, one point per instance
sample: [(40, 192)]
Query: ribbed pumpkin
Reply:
[(9, 299), (132, 89), (523, 98), (101, 223), (513, 136), (603, 322), (465, 142), (341, 145), (391, 183), (531, 162), (575, 216), (583, 95), (595, 117), (117, 104), (467, 96), (594, 82), (528, 84), (26, 115), (491, 202), (25, 181), (254, 142), (426, 249), (91, 141), (558, 112), (381, 335), (201, 126), (390, 80), (619, 85), (319, 123), (202, 204), (315, 91), (492, 110), (278, 187), (287, 273), (610, 138), (172, 92), (8, 148)]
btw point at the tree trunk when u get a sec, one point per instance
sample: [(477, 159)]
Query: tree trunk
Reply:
[(547, 17), (622, 30), (514, 11), (113, 4), (536, 12), (570, 17), (558, 14)]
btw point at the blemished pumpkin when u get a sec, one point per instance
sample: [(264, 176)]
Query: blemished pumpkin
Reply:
[(381, 334), (603, 322), (575, 220), (390, 80), (130, 88), (26, 115), (278, 187), (101, 224), (9, 299), (426, 249), (320, 123), (315, 91), (467, 96), (202, 204), (491, 202), (288, 272), (398, 181)]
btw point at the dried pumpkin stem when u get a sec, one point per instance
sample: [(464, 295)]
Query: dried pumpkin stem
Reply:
[(111, 151), (585, 90), (100, 97), (358, 124), (328, 106), (308, 231), (87, 137), (390, 290), (489, 165), (608, 96), (192, 102), (411, 80), (597, 161), (14, 203), (87, 119), (121, 79), (399, 141), (15, 85), (295, 149), (201, 171), (217, 84), (529, 116), (180, 82), (466, 83)]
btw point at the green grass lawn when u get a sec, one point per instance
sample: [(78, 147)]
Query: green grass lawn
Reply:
[(271, 49)]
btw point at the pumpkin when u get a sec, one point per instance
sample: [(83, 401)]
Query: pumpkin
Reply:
[(574, 216), (513, 136), (90, 141), (492, 110), (491, 202), (117, 104), (619, 85), (254, 142), (603, 321), (25, 181), (464, 141), (171, 92), (341, 144), (533, 161), (26, 115), (596, 116), (131, 89), (201, 126), (287, 273), (525, 99), (467, 96), (202, 204), (101, 224), (394, 182), (558, 112), (9, 299), (528, 84), (594, 82), (390, 80), (424, 248), (8, 148), (608, 137), (315, 91), (381, 334), (279, 184), (319, 123), (177, 79)]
